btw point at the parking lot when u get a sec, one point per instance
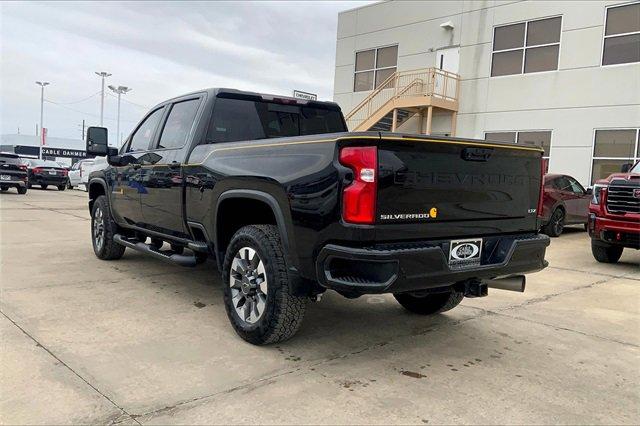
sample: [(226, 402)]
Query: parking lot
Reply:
[(141, 341)]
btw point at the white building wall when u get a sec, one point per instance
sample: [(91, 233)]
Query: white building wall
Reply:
[(573, 101)]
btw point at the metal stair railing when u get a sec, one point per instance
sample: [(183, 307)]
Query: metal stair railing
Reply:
[(422, 82)]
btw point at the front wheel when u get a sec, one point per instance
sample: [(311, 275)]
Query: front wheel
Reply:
[(257, 294), (44, 186), (103, 228), (606, 253), (22, 190), (556, 224), (429, 304), (62, 187)]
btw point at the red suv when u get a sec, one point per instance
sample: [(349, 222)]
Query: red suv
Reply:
[(564, 202), (614, 215)]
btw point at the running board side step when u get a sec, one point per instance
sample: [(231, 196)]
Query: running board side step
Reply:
[(167, 256)]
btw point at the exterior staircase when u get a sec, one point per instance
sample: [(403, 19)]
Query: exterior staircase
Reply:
[(404, 94)]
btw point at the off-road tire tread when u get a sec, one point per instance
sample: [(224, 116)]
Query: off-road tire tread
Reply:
[(431, 304), (111, 249), (288, 311), (606, 253)]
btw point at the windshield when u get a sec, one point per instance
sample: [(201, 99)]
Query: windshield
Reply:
[(636, 168), (243, 119), (44, 163), (9, 159)]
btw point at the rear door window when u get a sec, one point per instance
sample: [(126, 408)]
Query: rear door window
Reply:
[(179, 123), (142, 137), (246, 119)]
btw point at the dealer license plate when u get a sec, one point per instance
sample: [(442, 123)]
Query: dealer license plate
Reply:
[(465, 253), (5, 177)]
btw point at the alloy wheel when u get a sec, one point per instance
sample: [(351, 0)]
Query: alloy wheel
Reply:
[(558, 224), (248, 282), (98, 228)]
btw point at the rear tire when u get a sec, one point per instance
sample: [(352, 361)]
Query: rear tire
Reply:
[(429, 304), (4, 188), (22, 190), (44, 186), (62, 187), (556, 223), (103, 228), (257, 294), (606, 253)]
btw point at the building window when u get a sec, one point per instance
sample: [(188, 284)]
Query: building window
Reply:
[(612, 149), (526, 47), (373, 67), (540, 138), (622, 35)]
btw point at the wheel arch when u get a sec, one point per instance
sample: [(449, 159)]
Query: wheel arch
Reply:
[(264, 204), (97, 187)]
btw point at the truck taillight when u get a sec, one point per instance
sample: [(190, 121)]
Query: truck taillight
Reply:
[(23, 167), (359, 198), (543, 165), (37, 170)]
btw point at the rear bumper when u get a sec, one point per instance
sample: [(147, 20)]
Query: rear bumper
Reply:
[(396, 268), (615, 231), (48, 180), (14, 183)]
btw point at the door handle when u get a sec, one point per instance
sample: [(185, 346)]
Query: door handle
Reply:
[(174, 165)]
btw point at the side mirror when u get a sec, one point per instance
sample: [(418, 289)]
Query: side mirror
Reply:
[(589, 190), (625, 168), (96, 143)]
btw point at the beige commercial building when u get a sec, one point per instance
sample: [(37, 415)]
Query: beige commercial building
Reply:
[(564, 75)]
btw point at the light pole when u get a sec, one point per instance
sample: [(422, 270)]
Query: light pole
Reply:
[(41, 84), (120, 90), (104, 75)]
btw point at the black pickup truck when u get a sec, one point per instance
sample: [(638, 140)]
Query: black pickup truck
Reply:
[(289, 204)]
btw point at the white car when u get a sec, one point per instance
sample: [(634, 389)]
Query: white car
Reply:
[(99, 163), (79, 174)]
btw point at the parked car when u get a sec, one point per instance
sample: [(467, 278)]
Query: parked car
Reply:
[(236, 175), (78, 174), (565, 202), (13, 174), (45, 173), (614, 215)]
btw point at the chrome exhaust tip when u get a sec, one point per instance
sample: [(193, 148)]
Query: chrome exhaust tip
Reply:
[(512, 283)]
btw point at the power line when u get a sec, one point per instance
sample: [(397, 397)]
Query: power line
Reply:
[(129, 102), (86, 113), (78, 101)]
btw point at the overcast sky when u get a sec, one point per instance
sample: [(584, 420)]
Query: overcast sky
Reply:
[(160, 50)]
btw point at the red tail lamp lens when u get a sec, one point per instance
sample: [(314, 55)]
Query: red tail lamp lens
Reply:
[(359, 198)]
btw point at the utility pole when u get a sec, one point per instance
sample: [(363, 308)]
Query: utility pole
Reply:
[(82, 126), (41, 84), (120, 90), (104, 75)]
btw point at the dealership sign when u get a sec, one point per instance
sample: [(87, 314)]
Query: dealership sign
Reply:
[(298, 94), (62, 152)]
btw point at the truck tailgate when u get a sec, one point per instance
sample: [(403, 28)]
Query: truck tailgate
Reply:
[(429, 180)]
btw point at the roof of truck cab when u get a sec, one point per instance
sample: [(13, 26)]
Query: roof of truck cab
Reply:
[(216, 91)]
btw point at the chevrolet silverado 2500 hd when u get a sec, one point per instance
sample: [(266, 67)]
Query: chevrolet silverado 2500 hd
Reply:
[(289, 204)]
